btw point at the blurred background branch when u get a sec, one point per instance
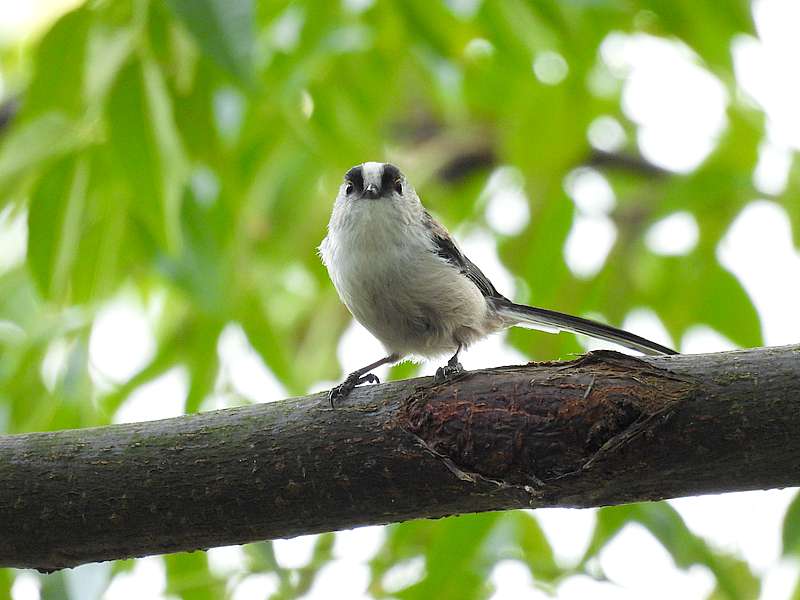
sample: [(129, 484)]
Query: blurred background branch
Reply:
[(8, 109)]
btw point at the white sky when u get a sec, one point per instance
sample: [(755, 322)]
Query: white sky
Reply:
[(680, 110)]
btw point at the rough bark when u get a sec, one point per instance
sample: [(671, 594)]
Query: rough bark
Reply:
[(603, 429)]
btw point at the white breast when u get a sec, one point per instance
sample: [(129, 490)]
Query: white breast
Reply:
[(383, 264)]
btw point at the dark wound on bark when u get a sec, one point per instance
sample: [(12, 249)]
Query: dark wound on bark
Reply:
[(526, 430), (603, 429)]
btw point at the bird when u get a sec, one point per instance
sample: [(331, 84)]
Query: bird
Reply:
[(404, 278)]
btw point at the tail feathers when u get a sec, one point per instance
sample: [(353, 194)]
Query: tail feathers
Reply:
[(553, 322)]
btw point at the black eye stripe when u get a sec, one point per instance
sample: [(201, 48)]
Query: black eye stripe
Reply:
[(390, 174), (356, 177)]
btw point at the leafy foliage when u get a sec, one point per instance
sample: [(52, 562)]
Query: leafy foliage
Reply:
[(734, 578), (186, 153)]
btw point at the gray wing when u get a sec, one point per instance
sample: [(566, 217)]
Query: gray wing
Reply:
[(447, 249), (548, 320)]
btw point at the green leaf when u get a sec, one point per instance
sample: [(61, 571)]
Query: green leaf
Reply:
[(454, 556), (201, 359), (728, 309), (6, 581), (536, 550), (789, 198), (108, 51), (706, 25), (60, 63), (54, 586), (260, 557), (791, 528), (189, 578), (322, 555), (106, 245), (224, 29), (54, 223), (148, 149), (32, 144), (45, 220), (735, 580), (167, 356), (261, 333)]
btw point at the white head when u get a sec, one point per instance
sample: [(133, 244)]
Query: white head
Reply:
[(376, 209), (374, 181), (371, 185)]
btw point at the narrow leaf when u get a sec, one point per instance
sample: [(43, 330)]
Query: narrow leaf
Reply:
[(147, 148), (60, 66), (54, 223), (32, 144), (791, 528)]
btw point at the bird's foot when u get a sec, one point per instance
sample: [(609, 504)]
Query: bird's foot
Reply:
[(448, 372), (342, 391)]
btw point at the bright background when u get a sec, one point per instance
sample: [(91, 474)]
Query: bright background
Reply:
[(167, 171)]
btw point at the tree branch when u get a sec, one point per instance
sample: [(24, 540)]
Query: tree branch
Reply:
[(625, 162), (603, 429)]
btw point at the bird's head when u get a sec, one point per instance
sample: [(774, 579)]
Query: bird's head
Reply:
[(374, 181)]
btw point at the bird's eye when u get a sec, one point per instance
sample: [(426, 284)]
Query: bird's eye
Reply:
[(348, 189), (398, 186)]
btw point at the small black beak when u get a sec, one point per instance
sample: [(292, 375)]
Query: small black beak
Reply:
[(371, 192)]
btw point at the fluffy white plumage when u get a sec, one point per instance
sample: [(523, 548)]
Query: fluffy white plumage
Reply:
[(383, 262)]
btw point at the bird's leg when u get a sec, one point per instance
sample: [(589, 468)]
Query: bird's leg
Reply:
[(362, 375), (450, 370)]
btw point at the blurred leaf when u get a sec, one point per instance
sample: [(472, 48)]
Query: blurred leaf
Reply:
[(54, 223), (33, 143), (261, 559), (148, 148), (723, 304), (789, 198), (709, 294), (60, 63), (536, 255), (108, 50), (706, 25), (734, 578), (99, 264), (167, 356), (453, 556), (54, 587), (224, 30), (189, 578), (322, 555), (201, 359), (537, 552), (791, 528), (263, 337), (6, 581)]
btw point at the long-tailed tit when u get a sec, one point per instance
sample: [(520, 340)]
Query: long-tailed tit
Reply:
[(403, 277)]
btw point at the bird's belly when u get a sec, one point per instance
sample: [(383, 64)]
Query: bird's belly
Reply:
[(423, 310)]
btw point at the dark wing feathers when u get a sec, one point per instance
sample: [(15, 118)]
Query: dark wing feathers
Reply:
[(447, 249)]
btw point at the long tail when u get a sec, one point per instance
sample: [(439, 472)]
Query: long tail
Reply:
[(553, 321)]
